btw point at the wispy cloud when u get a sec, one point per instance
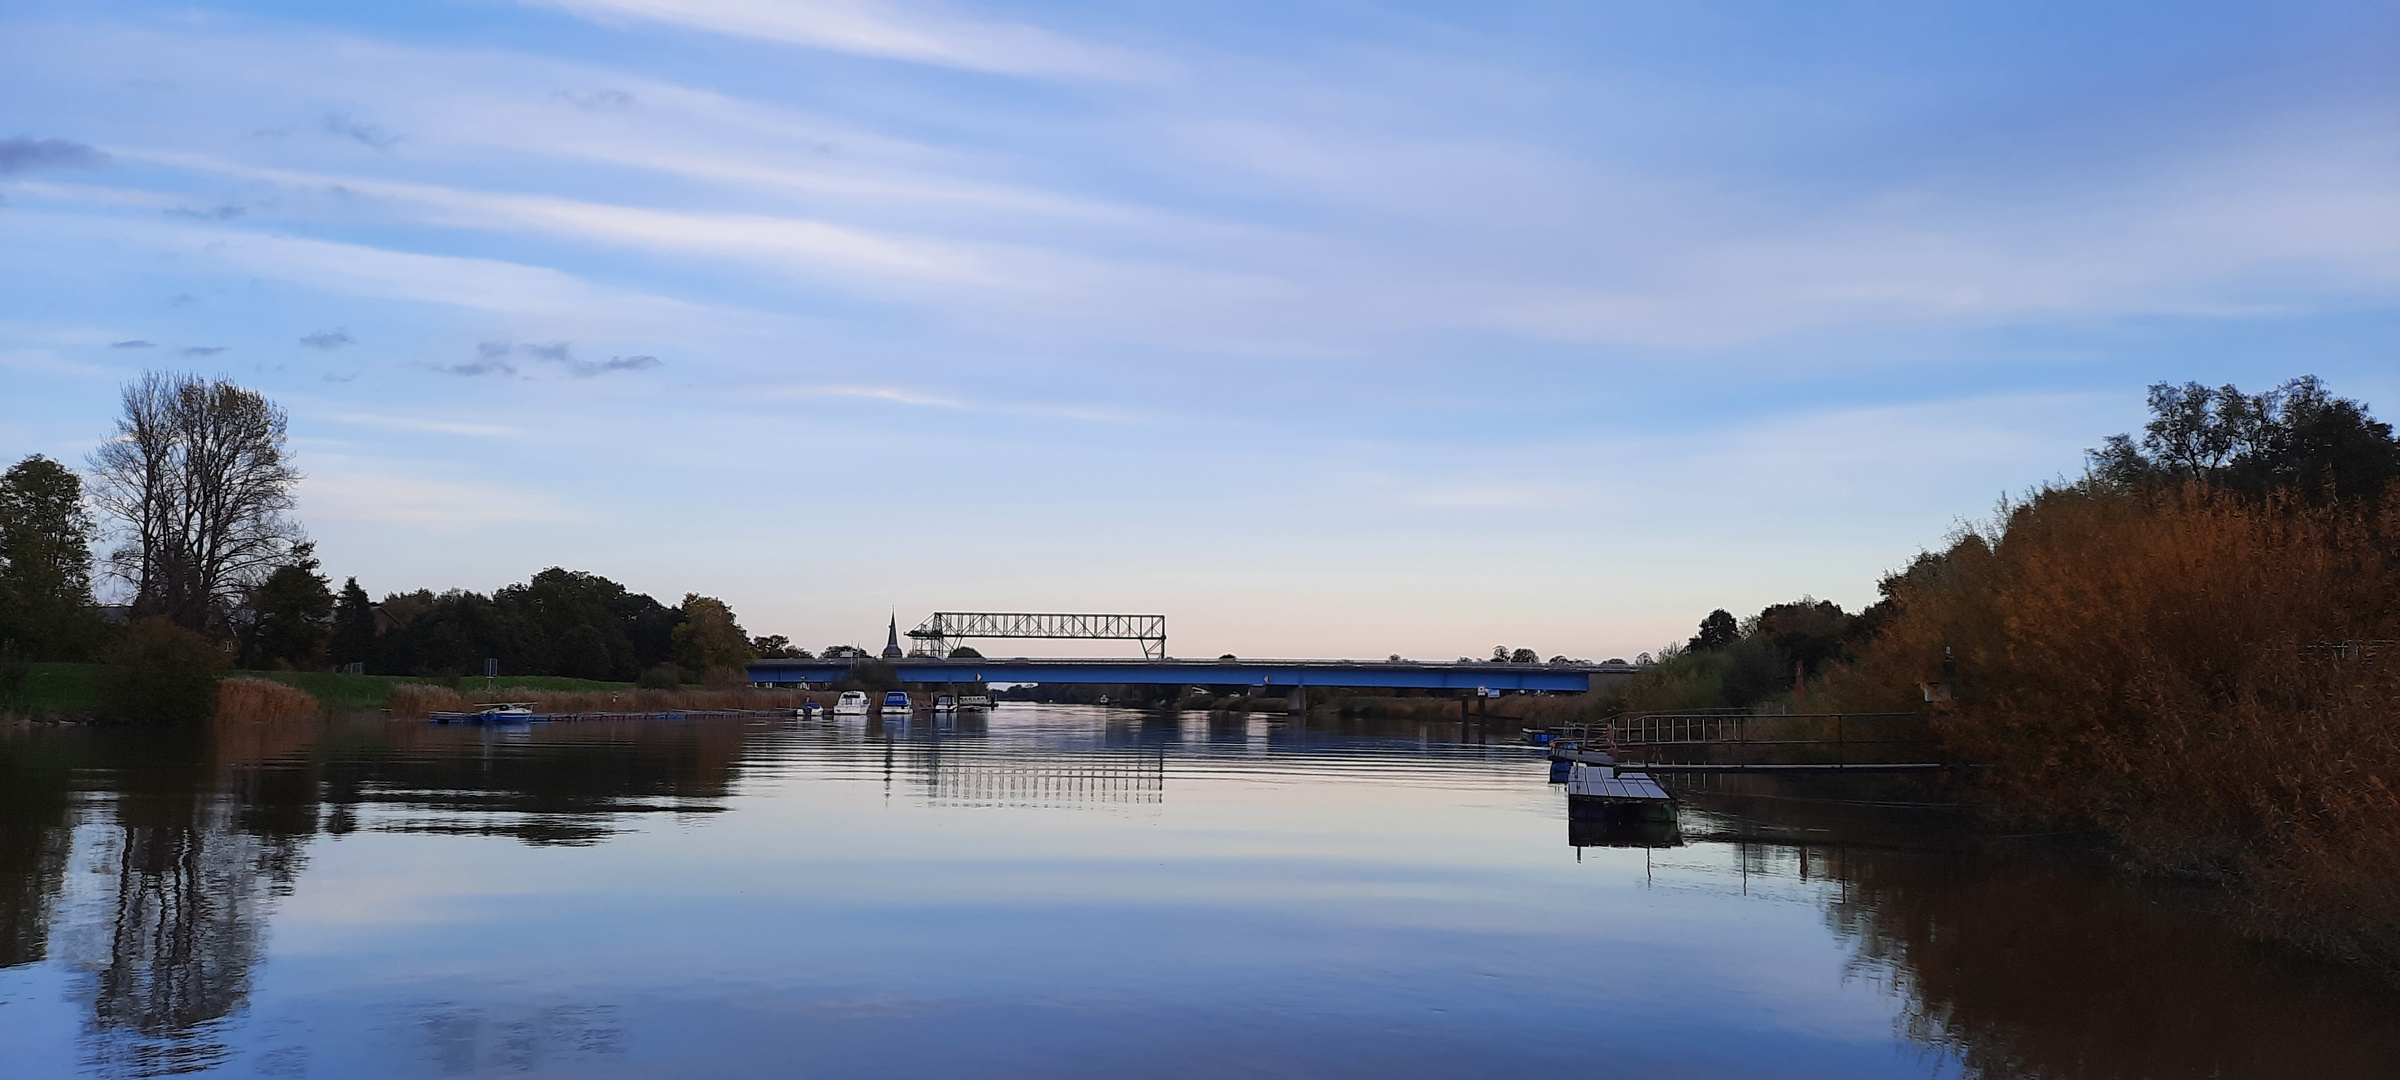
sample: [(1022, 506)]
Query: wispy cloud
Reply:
[(870, 28), (584, 369), (344, 489), (136, 343), (327, 340), (598, 100), (489, 360), (919, 399), (25, 155), (359, 131), (220, 212), (203, 350), (416, 423)]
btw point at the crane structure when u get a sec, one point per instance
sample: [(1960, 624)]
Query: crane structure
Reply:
[(941, 631)]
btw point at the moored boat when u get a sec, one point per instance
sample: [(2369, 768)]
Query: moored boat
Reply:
[(896, 702), (851, 703)]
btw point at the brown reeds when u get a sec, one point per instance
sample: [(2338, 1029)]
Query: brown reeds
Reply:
[(415, 701), (244, 699), (2165, 665)]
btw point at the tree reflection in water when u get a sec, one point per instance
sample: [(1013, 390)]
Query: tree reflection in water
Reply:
[(35, 835), (2024, 960), (147, 863), (187, 836)]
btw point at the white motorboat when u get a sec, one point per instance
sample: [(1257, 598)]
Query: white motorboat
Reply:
[(896, 703), (944, 703), (851, 703), (974, 701)]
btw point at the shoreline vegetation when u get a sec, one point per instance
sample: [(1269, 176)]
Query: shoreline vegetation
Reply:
[(79, 693), (2191, 651)]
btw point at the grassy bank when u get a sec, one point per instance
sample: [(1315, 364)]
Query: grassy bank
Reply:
[(73, 691), (58, 690)]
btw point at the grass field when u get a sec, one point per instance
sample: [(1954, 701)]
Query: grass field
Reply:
[(54, 689), (74, 689)]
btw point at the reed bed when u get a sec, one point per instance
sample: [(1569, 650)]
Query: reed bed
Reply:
[(2169, 666), (262, 700), (415, 701)]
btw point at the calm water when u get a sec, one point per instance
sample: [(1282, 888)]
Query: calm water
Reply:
[(1063, 892)]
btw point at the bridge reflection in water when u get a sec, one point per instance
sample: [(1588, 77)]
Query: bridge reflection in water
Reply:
[(141, 872)]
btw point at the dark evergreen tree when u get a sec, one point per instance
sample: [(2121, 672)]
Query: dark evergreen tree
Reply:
[(1717, 631), (353, 640), (289, 612)]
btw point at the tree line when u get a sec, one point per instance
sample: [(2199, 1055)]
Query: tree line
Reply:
[(193, 493), (2193, 648)]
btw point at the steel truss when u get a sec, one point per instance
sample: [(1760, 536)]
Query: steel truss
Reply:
[(939, 632)]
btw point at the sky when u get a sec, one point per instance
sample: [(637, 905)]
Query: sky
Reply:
[(1334, 329)]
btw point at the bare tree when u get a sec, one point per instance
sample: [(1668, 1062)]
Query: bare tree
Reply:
[(198, 484)]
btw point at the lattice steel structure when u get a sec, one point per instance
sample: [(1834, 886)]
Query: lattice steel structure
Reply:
[(939, 632), (1077, 779)]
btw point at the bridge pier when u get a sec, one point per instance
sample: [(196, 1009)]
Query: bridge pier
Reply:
[(1297, 701)]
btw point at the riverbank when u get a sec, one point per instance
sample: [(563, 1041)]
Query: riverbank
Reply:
[(77, 691)]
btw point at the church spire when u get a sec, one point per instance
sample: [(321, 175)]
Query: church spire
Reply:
[(891, 643)]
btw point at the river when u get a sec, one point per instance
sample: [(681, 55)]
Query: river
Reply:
[(1069, 891)]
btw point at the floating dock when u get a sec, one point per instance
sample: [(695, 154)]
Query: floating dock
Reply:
[(1601, 793)]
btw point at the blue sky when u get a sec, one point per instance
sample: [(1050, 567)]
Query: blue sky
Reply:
[(1324, 328)]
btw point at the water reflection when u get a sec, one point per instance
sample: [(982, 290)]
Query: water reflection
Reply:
[(1623, 834), (2025, 960), (144, 870)]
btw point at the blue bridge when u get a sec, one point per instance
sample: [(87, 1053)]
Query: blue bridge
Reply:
[(1275, 675)]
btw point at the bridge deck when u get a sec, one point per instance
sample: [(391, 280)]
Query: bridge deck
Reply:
[(1363, 674)]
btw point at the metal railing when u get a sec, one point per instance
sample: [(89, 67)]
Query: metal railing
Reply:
[(1731, 726)]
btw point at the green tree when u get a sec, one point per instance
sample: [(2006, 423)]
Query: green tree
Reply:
[(2298, 436), (1807, 631), (161, 673), (46, 562), (709, 639), (1717, 631), (353, 640), (288, 614), (777, 647)]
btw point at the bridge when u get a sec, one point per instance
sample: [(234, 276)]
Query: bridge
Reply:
[(942, 631), (1275, 674)]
